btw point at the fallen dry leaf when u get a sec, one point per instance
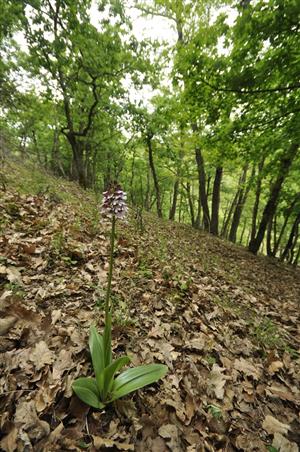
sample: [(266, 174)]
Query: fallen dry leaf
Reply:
[(41, 355), (247, 368), (6, 324), (282, 444), (272, 426), (100, 443), (217, 381)]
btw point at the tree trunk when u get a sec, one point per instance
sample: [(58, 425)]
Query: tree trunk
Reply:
[(190, 202), (77, 150), (241, 200), (215, 203), (202, 188), (296, 260), (270, 250), (257, 198), (243, 232), (292, 240), (229, 215), (269, 210), (147, 194), (155, 179), (288, 213), (174, 200)]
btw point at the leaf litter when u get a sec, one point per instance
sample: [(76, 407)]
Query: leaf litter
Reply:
[(224, 321)]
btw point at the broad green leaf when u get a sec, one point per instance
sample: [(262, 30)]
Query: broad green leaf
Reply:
[(87, 391), (110, 372), (97, 353), (136, 378), (107, 342)]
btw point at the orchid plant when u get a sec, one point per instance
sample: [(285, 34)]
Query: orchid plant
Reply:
[(106, 387)]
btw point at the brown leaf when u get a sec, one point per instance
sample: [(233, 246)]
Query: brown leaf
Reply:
[(41, 355), (26, 419), (99, 443), (170, 433), (217, 381), (6, 324), (275, 366), (283, 444), (247, 368), (272, 426), (8, 443)]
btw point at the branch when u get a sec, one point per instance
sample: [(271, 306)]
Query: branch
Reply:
[(276, 118), (153, 12), (91, 111), (254, 91)]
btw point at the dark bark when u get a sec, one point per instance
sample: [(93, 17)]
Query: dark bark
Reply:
[(257, 198), (174, 200), (202, 188), (190, 202), (270, 250), (296, 260), (227, 217), (215, 203), (243, 232), (288, 213), (292, 240), (154, 175), (269, 210), (241, 200), (147, 194), (55, 162)]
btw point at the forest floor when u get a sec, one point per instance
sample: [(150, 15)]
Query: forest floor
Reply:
[(225, 322)]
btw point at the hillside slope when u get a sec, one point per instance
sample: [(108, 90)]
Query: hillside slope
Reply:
[(224, 321)]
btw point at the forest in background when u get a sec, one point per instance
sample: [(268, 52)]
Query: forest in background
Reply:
[(217, 146)]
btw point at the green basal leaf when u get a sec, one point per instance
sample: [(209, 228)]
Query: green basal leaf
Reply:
[(136, 378), (87, 390), (110, 372), (97, 353), (107, 342)]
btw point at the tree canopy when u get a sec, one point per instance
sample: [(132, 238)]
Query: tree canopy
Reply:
[(217, 144)]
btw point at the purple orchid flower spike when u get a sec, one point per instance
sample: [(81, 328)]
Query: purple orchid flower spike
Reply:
[(114, 202)]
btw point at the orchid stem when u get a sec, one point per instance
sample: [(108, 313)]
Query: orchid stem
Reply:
[(110, 272)]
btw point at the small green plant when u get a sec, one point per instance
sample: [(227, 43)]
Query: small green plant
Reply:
[(106, 387), (267, 333), (58, 241), (215, 411), (15, 287)]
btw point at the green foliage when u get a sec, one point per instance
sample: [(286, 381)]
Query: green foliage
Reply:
[(215, 411), (227, 87), (105, 387)]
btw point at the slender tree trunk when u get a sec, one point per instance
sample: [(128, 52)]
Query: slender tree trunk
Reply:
[(243, 232), (269, 210), (202, 188), (180, 208), (288, 213), (292, 240), (190, 202), (257, 198), (296, 260), (215, 204), (270, 250), (227, 218), (174, 200), (147, 194), (155, 179), (241, 200), (132, 197)]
